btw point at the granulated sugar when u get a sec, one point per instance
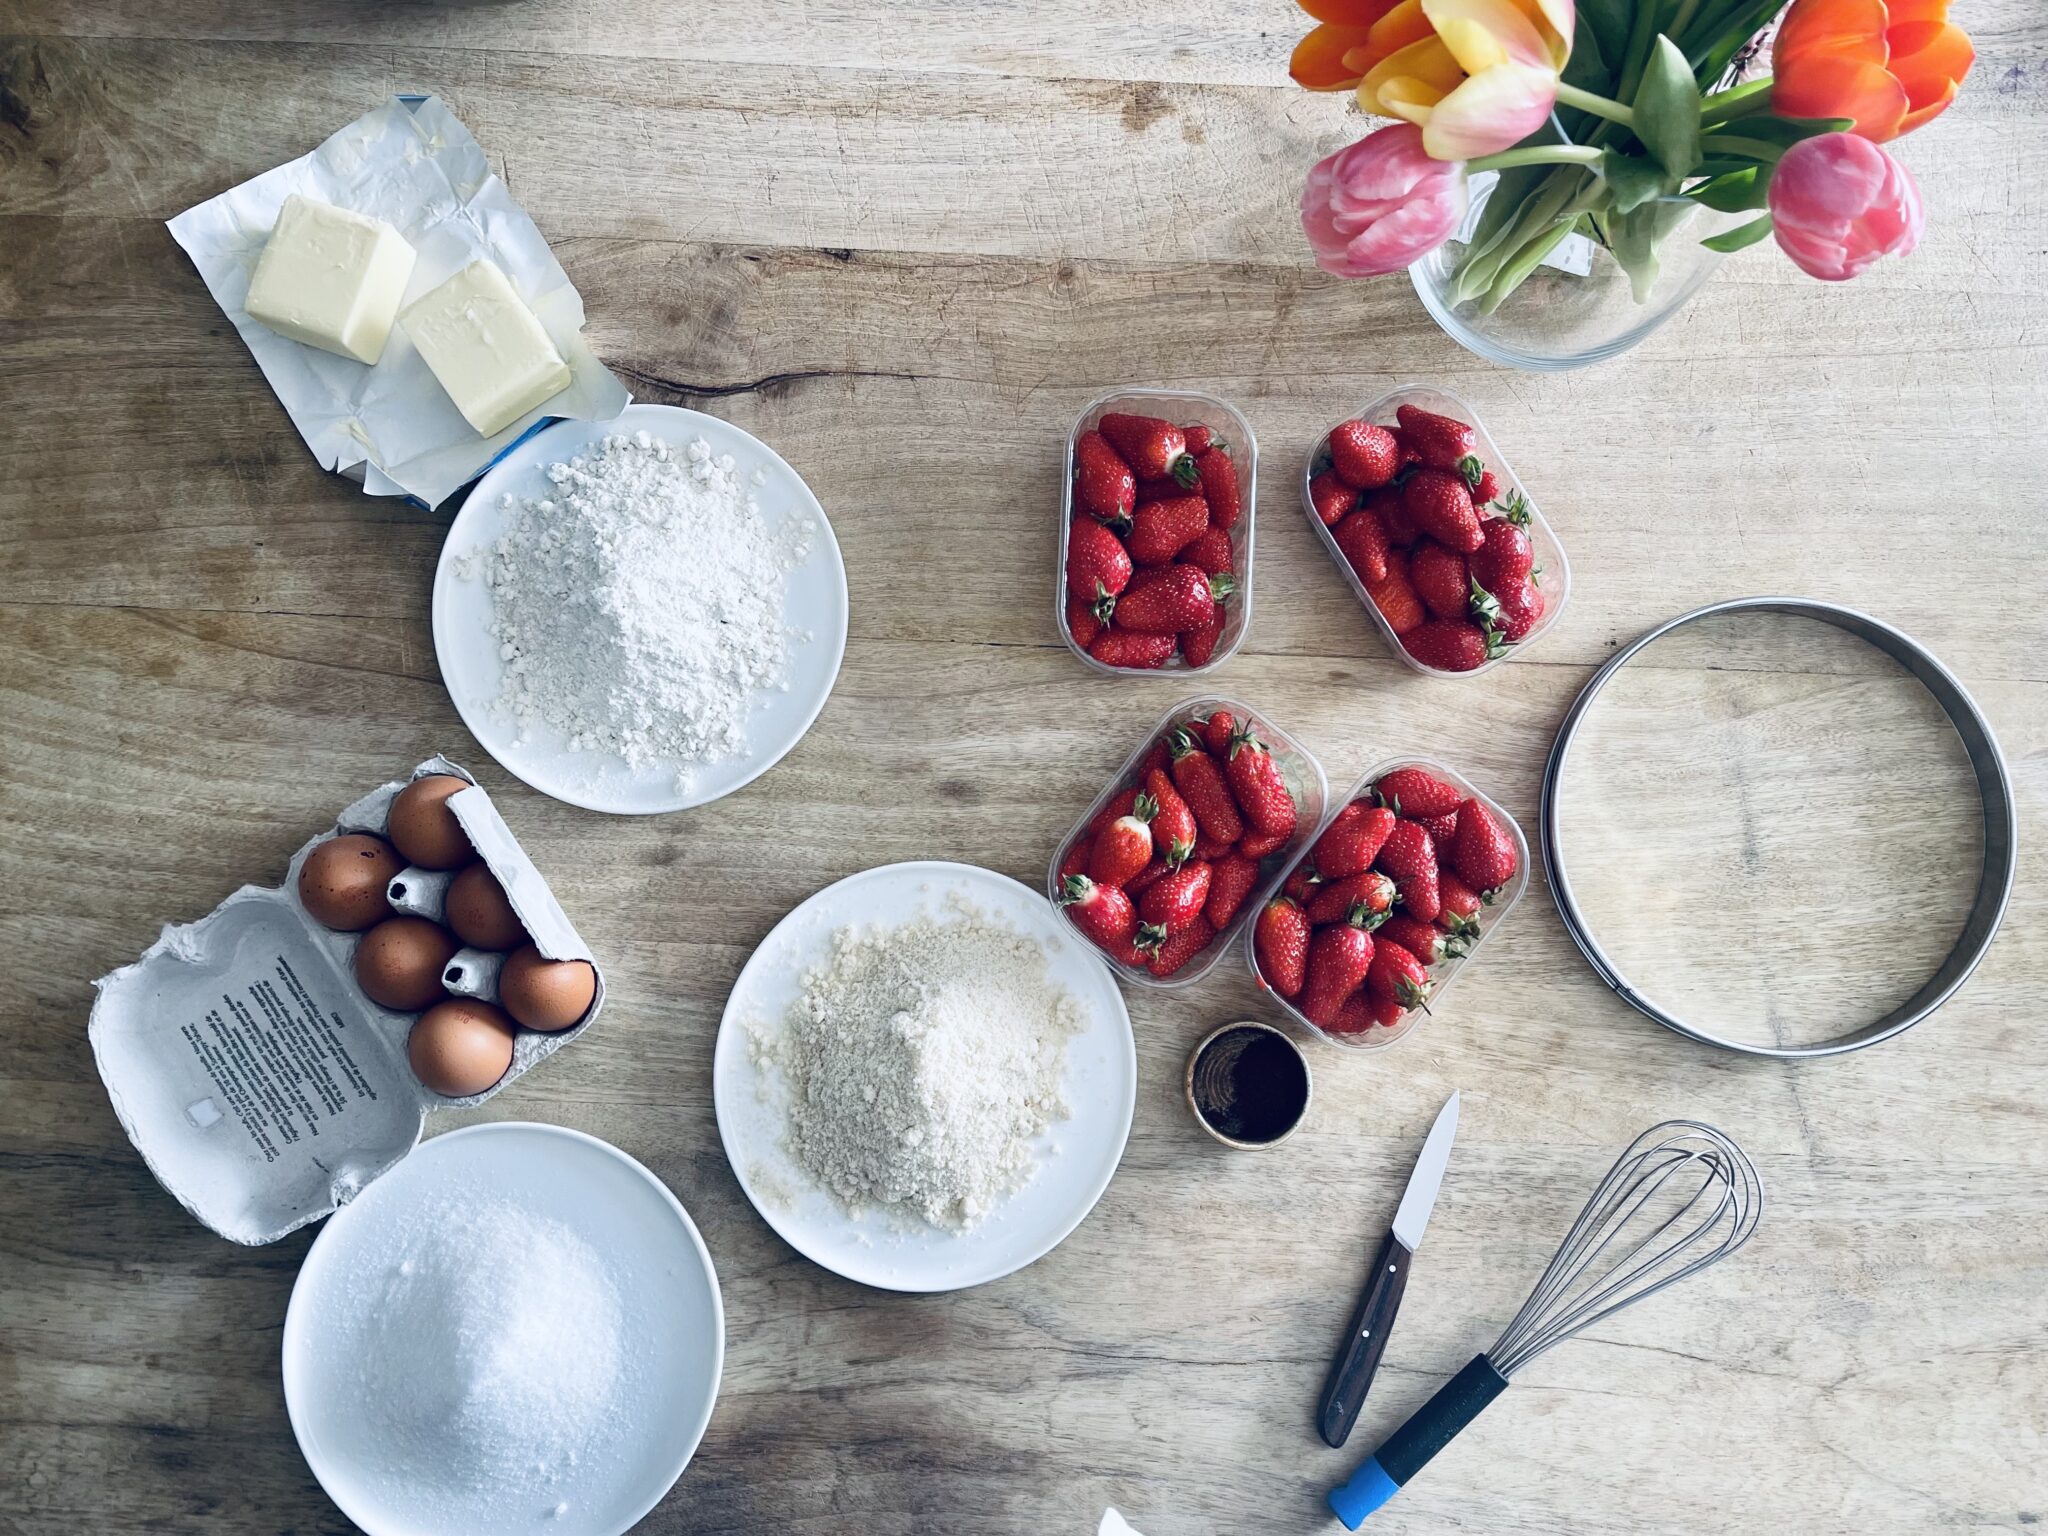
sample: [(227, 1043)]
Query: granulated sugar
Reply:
[(920, 1062), (638, 608), (487, 1351)]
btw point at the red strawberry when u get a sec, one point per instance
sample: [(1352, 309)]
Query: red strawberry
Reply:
[(1256, 844), (1362, 538), (1177, 899), (1076, 861), (1395, 596), (1122, 803), (1217, 730), (1231, 879), (1173, 824), (1125, 846), (1098, 565), (1504, 556), (1439, 441), (1102, 912), (1424, 942), (1332, 498), (1103, 482), (1441, 829), (1260, 787), (1177, 598), (1452, 645), (1486, 487), (1150, 446), (1397, 976), (1441, 580), (1198, 646), (1302, 883), (1212, 552), (1180, 948), (1483, 854), (1163, 489), (1437, 502), (1209, 849), (1362, 900), (1128, 648), (1146, 878), (1200, 440), (1201, 783), (1384, 1010), (1352, 841), (1460, 903), (1339, 959), (1159, 755), (1162, 529), (1386, 504), (1521, 609), (1082, 622), (1366, 456), (1218, 477), (1354, 1015), (1416, 793), (1410, 857)]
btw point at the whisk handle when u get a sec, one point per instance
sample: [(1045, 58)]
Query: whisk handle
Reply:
[(1408, 1449)]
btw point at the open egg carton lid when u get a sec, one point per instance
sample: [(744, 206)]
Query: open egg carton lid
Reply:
[(263, 1089)]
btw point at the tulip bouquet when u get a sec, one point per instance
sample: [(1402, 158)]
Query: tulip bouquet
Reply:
[(1618, 120)]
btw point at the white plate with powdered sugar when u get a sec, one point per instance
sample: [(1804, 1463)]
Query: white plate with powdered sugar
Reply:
[(651, 628), (952, 945)]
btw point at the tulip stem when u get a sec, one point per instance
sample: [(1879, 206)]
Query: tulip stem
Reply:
[(1739, 101), (1599, 106), (1755, 149), (1536, 154)]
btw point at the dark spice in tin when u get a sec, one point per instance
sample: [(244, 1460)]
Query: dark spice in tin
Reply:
[(1250, 1084)]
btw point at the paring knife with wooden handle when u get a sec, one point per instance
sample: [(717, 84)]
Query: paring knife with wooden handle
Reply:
[(1366, 1339)]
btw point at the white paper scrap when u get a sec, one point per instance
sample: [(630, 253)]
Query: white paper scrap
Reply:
[(1114, 1524)]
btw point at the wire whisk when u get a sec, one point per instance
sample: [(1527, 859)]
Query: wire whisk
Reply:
[(1681, 1197)]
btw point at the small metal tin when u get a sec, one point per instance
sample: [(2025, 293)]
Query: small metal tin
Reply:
[(1209, 1086), (1994, 789)]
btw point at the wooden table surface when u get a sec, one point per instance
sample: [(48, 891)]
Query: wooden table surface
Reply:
[(904, 243)]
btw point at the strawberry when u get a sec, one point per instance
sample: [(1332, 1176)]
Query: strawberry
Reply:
[(1354, 1015), (1218, 479), (1441, 579), (1128, 648), (1153, 448), (1352, 841), (1076, 861), (1332, 498), (1302, 883), (1231, 879), (1125, 846), (1437, 502), (1410, 857), (1180, 948), (1082, 622), (1103, 482), (1486, 485), (1163, 489), (1209, 849), (1176, 900), (1424, 942), (1397, 976), (1198, 646), (1201, 783), (1102, 912), (1178, 597), (1504, 556), (1173, 824), (1122, 803), (1395, 596), (1098, 565), (1256, 844), (1217, 730), (1361, 900), (1146, 878), (1482, 855), (1200, 440), (1364, 455), (1362, 538), (1521, 609), (1339, 959), (1162, 529), (1159, 755), (1260, 787), (1460, 903), (1439, 441), (1212, 552), (1441, 829), (1384, 1010), (1452, 645), (1386, 506), (1416, 793)]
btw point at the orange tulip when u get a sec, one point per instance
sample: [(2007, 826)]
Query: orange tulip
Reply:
[(1350, 40), (1890, 65)]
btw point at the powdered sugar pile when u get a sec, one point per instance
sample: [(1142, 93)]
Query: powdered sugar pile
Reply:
[(638, 609), (920, 1062)]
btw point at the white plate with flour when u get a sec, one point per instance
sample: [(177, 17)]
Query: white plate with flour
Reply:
[(1074, 1158), (515, 1330), (728, 707)]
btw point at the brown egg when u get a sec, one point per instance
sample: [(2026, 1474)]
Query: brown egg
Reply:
[(460, 1047), (342, 881), (546, 994), (399, 962), (423, 827), (479, 913)]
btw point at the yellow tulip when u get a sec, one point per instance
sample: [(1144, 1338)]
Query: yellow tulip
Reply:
[(1478, 77)]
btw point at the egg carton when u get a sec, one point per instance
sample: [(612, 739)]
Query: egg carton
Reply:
[(260, 1085)]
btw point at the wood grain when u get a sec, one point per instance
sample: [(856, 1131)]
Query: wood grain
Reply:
[(904, 244)]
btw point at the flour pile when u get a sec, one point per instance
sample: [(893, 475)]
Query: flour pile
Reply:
[(638, 608), (920, 1062)]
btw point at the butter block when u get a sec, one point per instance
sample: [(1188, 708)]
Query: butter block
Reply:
[(331, 278), (485, 347)]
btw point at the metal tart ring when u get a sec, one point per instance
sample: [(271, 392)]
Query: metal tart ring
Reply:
[(1994, 791)]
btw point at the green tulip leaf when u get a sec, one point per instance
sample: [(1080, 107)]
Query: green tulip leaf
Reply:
[(1634, 237), (1734, 192), (1781, 131), (1743, 234), (1606, 24), (1667, 109), (1632, 180)]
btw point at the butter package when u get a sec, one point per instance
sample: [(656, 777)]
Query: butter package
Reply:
[(261, 1084)]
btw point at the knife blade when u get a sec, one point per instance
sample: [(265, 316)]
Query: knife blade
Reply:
[(1366, 1339)]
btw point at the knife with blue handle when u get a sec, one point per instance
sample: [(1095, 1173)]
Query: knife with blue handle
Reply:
[(1366, 1339)]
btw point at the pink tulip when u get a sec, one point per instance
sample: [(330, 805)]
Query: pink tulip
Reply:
[(1838, 203), (1381, 204)]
